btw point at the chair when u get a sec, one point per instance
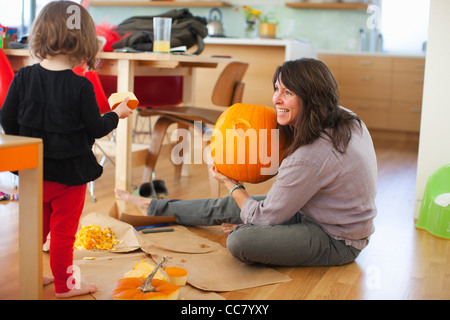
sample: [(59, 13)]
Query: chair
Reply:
[(103, 104), (100, 95), (152, 92), (107, 148), (228, 90), (434, 215), (6, 76)]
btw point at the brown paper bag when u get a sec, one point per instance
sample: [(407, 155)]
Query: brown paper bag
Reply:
[(108, 267), (123, 231), (210, 266), (213, 270)]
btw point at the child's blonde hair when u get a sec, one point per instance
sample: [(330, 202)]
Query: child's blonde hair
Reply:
[(62, 29)]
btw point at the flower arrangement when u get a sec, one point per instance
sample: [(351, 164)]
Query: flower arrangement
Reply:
[(250, 14)]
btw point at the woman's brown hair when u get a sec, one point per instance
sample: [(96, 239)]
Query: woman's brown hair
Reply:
[(65, 27), (313, 82)]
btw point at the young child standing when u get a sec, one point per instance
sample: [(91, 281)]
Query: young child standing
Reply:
[(48, 100)]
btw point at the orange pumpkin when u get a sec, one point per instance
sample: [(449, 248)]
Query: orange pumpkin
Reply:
[(245, 145), (129, 289)]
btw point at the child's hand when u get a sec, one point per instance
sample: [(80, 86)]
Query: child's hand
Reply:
[(122, 109)]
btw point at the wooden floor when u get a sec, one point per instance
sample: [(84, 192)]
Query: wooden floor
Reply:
[(399, 263)]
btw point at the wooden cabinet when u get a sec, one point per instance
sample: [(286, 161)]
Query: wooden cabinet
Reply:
[(407, 91), (385, 91)]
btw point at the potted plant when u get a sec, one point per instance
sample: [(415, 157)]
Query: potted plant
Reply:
[(268, 26)]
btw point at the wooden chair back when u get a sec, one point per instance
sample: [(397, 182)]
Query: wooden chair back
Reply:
[(229, 87)]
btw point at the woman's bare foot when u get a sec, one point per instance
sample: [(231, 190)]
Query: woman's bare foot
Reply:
[(140, 202), (84, 288), (47, 280), (228, 227)]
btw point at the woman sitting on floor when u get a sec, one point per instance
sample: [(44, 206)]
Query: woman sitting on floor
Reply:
[(320, 209)]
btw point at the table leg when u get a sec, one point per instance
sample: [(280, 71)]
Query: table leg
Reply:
[(30, 232), (189, 87), (125, 83)]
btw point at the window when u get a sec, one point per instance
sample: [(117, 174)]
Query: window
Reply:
[(20, 14), (404, 24), (11, 15)]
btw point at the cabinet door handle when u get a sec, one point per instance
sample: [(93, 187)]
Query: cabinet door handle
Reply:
[(364, 77), (415, 110), (362, 106), (418, 81)]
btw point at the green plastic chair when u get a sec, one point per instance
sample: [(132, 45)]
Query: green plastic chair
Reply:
[(434, 215)]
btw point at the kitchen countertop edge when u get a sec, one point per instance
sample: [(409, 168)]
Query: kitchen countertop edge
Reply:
[(285, 42), (374, 54)]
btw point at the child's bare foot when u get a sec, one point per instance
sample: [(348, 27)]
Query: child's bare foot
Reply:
[(140, 202), (85, 288), (47, 280)]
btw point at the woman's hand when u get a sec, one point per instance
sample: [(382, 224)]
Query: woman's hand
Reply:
[(228, 182), (122, 109), (239, 195)]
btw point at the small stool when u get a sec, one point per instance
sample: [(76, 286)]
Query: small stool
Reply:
[(434, 215)]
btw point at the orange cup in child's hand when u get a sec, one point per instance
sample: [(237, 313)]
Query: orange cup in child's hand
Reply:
[(116, 98)]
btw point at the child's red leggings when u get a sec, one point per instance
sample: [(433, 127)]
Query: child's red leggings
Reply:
[(62, 209)]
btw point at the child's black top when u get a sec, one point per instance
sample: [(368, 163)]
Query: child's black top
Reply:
[(60, 108)]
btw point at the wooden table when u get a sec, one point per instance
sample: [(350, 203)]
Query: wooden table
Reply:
[(125, 66), (25, 155)]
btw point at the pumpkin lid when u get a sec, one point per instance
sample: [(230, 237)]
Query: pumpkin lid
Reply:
[(176, 272)]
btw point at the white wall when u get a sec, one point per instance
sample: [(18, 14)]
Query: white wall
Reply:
[(434, 143)]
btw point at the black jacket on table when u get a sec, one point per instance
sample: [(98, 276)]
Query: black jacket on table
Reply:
[(60, 108)]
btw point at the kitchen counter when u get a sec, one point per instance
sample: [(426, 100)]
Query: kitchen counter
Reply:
[(375, 54), (305, 47), (294, 48), (246, 41)]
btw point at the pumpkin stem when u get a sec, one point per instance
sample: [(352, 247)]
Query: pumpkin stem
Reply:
[(147, 285)]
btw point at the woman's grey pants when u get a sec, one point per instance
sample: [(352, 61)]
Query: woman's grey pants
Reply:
[(298, 242)]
